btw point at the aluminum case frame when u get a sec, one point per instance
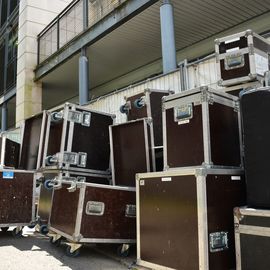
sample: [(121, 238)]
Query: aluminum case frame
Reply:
[(204, 96), (33, 219), (201, 174), (250, 50), (241, 212), (77, 237), (146, 122), (68, 136)]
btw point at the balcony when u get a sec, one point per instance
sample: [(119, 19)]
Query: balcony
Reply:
[(70, 24)]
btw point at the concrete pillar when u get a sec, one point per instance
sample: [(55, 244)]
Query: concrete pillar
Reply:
[(83, 78), (34, 16), (167, 37), (4, 117)]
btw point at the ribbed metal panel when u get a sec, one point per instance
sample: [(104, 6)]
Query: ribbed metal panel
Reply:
[(112, 102), (203, 73)]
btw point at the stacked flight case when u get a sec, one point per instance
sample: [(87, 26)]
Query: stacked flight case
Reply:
[(78, 201), (188, 208), (242, 61), (137, 145)]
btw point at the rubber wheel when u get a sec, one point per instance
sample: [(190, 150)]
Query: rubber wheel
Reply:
[(31, 226), (4, 229), (48, 161), (122, 254), (48, 185), (56, 243), (17, 234), (74, 254), (44, 229), (137, 103), (123, 109)]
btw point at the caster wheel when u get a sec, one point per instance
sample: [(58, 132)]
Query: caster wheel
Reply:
[(73, 254), (4, 229), (44, 229), (32, 226), (48, 184), (123, 109), (17, 234), (138, 103), (49, 161), (56, 243), (122, 253)]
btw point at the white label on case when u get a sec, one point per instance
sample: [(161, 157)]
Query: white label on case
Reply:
[(232, 40), (141, 182), (166, 179), (233, 50), (261, 63), (236, 178)]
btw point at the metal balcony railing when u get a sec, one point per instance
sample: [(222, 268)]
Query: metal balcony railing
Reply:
[(71, 22)]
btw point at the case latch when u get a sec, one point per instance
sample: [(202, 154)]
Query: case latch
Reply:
[(130, 210), (83, 118), (218, 241), (235, 60), (77, 159), (94, 208), (183, 113)]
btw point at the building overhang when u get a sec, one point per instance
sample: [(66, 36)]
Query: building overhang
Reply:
[(130, 49)]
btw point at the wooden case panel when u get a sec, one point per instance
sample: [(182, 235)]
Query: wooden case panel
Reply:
[(223, 195), (12, 154), (30, 143), (64, 210), (113, 224), (185, 142), (94, 141), (16, 198), (224, 133), (129, 152), (168, 218), (136, 113)]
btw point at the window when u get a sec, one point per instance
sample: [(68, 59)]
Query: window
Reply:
[(13, 5), (4, 9)]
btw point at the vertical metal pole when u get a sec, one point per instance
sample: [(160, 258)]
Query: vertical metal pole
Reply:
[(167, 36), (85, 14), (83, 78), (83, 63), (6, 61), (4, 117)]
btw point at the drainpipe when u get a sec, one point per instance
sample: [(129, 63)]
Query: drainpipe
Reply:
[(84, 64), (4, 117), (167, 37)]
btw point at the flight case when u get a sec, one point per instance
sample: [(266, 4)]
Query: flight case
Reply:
[(252, 238), (94, 214), (131, 151), (242, 57), (77, 139), (46, 180), (185, 218), (201, 127), (17, 199)]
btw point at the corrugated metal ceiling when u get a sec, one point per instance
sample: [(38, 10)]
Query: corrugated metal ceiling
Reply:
[(137, 42)]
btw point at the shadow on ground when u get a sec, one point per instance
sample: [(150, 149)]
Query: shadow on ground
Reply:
[(44, 255)]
